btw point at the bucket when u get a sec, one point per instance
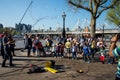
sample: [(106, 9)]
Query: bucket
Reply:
[(102, 58), (50, 63)]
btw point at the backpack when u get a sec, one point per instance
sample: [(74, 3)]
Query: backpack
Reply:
[(40, 45), (50, 42), (47, 43)]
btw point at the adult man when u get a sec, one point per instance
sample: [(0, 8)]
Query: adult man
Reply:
[(7, 52)]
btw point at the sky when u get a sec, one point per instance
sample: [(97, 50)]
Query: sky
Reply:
[(48, 11)]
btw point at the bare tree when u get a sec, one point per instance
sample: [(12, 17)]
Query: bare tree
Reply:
[(95, 8)]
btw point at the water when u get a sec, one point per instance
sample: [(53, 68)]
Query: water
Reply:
[(19, 42)]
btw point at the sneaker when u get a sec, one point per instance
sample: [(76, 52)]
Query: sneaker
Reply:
[(88, 61), (109, 63), (4, 66), (29, 55), (14, 55), (12, 65)]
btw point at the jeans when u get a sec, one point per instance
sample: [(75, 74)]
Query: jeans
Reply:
[(92, 52), (7, 55), (74, 55), (117, 78), (111, 60), (33, 49), (86, 57), (28, 51), (2, 51)]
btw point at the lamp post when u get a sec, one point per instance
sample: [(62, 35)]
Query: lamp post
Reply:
[(103, 32), (63, 31)]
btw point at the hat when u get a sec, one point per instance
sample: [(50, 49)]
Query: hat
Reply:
[(116, 52), (68, 39)]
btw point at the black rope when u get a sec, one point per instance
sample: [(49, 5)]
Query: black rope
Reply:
[(26, 11)]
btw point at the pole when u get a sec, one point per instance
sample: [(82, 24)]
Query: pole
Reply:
[(26, 11), (103, 32), (63, 32), (64, 28)]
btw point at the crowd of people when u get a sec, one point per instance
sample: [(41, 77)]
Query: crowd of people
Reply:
[(85, 46), (71, 47)]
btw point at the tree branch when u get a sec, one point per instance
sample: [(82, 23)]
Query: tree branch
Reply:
[(95, 2), (79, 6), (105, 8), (103, 2), (90, 4), (99, 13)]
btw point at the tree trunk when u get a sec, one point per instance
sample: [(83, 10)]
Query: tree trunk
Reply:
[(93, 25)]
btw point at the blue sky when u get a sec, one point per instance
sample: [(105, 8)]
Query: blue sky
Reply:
[(49, 11)]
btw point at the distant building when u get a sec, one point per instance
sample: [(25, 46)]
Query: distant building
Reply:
[(1, 25), (77, 26), (24, 28), (59, 29), (67, 29), (86, 30)]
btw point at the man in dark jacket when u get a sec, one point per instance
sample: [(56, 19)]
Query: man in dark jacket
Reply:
[(7, 52), (28, 44)]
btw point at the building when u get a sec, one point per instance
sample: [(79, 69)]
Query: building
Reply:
[(24, 28), (1, 25)]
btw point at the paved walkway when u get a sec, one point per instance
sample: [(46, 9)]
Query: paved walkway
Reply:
[(93, 71)]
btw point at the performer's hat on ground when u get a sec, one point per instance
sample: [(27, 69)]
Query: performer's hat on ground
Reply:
[(116, 52)]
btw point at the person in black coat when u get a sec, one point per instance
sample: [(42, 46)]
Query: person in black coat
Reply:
[(28, 44), (7, 52), (2, 47)]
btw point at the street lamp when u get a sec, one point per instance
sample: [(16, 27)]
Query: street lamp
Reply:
[(63, 32), (103, 32)]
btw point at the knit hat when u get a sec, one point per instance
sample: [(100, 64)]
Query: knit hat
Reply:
[(116, 52)]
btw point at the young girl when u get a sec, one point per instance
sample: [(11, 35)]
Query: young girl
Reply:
[(53, 49), (102, 51), (74, 51), (57, 50)]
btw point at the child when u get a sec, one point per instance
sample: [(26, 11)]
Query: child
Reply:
[(102, 54), (53, 49), (74, 51), (86, 52), (57, 50), (62, 50), (102, 51)]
